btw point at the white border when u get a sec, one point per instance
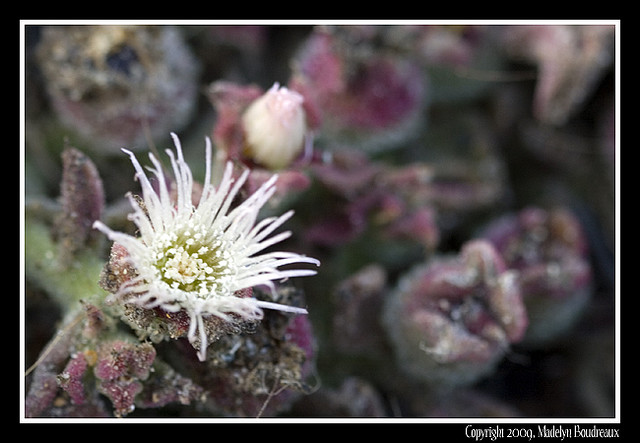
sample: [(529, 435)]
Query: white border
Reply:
[(475, 421)]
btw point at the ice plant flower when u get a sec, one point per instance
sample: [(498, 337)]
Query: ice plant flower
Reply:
[(202, 259)]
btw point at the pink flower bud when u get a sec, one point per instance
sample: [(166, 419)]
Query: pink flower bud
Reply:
[(549, 252), (452, 320)]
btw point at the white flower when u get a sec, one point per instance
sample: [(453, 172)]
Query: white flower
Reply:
[(196, 258), (275, 127)]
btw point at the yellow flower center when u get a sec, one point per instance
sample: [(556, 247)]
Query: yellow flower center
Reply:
[(192, 262)]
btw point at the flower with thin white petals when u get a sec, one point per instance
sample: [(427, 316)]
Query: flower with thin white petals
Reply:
[(202, 259)]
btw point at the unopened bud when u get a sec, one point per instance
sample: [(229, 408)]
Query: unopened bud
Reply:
[(275, 127)]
